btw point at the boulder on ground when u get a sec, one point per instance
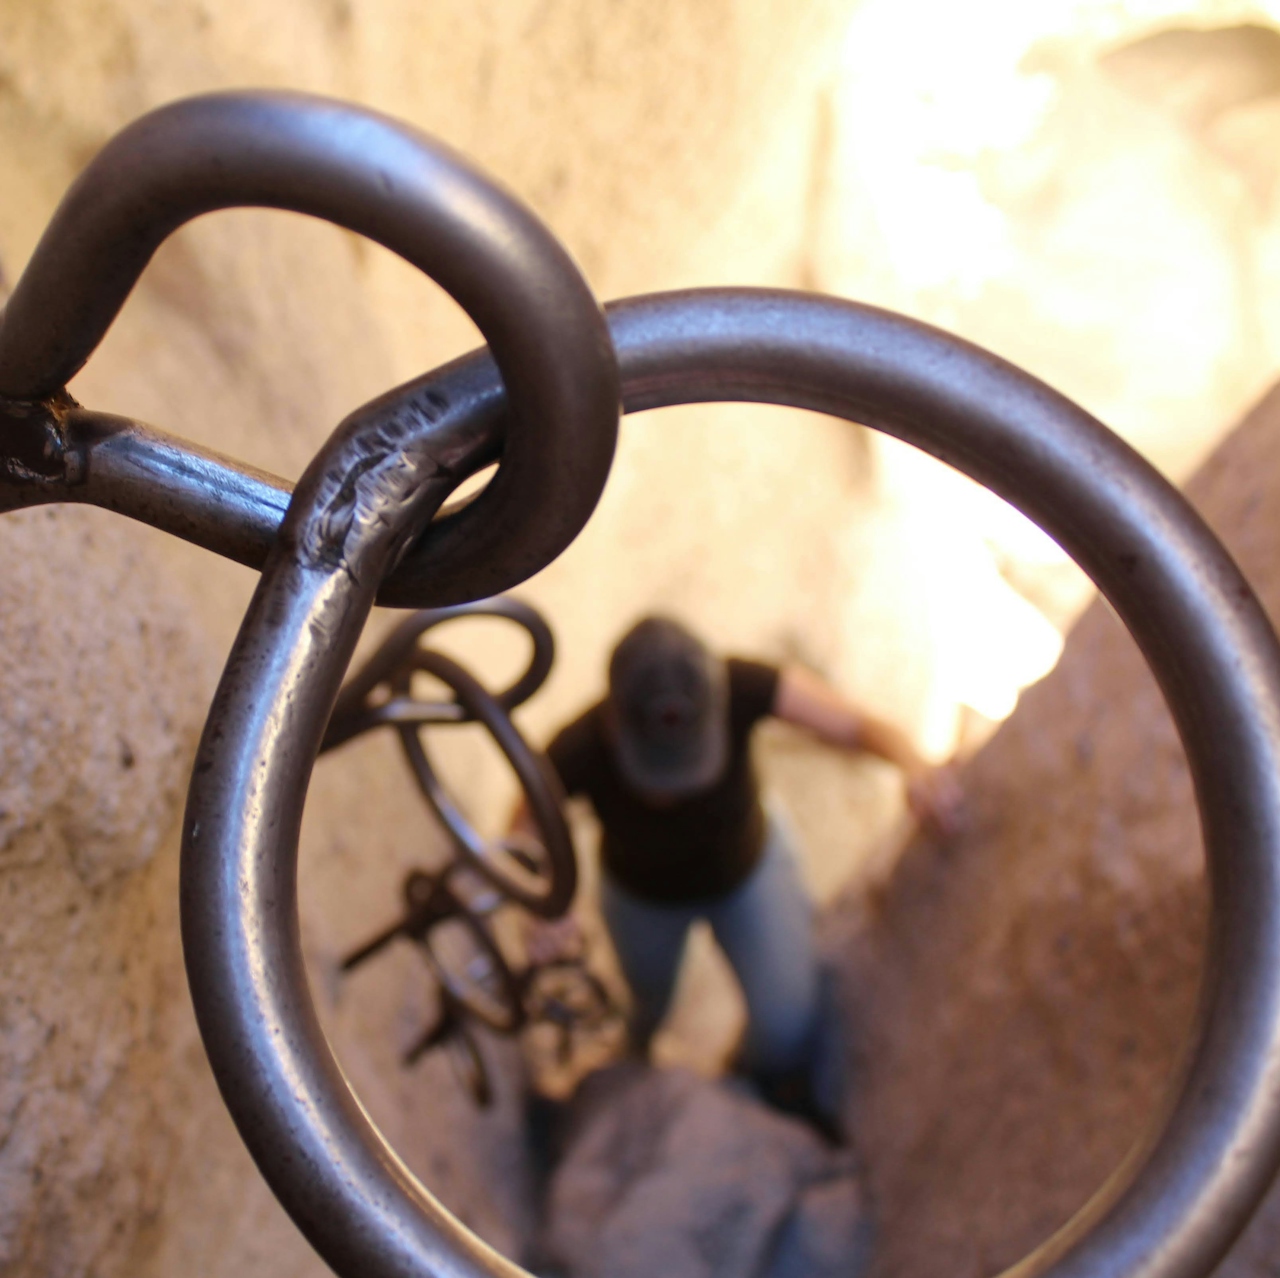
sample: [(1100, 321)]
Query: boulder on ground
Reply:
[(665, 1172)]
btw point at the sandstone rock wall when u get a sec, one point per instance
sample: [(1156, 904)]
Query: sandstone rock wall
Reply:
[(1018, 998)]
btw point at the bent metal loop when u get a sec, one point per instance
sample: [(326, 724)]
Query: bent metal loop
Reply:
[(541, 875), (545, 403)]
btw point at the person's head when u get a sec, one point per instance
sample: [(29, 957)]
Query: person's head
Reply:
[(668, 705)]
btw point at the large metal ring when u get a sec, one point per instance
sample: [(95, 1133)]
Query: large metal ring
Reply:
[(384, 180), (1174, 1206)]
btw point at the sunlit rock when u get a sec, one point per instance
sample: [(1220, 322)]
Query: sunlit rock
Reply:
[(1018, 999)]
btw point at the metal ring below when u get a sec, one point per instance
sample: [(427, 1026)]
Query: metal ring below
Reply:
[(495, 1001), (545, 890), (1186, 1189), (352, 713)]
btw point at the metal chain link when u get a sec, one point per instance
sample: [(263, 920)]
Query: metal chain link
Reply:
[(449, 924), (379, 178)]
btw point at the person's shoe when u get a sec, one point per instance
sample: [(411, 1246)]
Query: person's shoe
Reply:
[(791, 1093)]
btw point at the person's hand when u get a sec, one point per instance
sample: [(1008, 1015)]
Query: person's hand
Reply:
[(936, 799), (553, 940)]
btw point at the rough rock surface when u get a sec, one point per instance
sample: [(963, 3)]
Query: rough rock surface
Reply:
[(101, 711), (1019, 998), (665, 1172)]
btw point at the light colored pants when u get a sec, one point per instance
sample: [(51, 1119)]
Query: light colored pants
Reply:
[(765, 928)]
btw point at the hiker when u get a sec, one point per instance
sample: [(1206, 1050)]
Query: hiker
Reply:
[(664, 760)]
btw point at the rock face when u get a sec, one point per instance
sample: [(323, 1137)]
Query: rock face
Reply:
[(1018, 999), (91, 973), (665, 1172)]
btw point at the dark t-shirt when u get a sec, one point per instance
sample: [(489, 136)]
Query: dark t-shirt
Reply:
[(699, 846)]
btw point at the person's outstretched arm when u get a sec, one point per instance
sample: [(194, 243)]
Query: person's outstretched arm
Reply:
[(808, 701)]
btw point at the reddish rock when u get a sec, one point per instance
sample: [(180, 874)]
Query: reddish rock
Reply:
[(1018, 998)]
